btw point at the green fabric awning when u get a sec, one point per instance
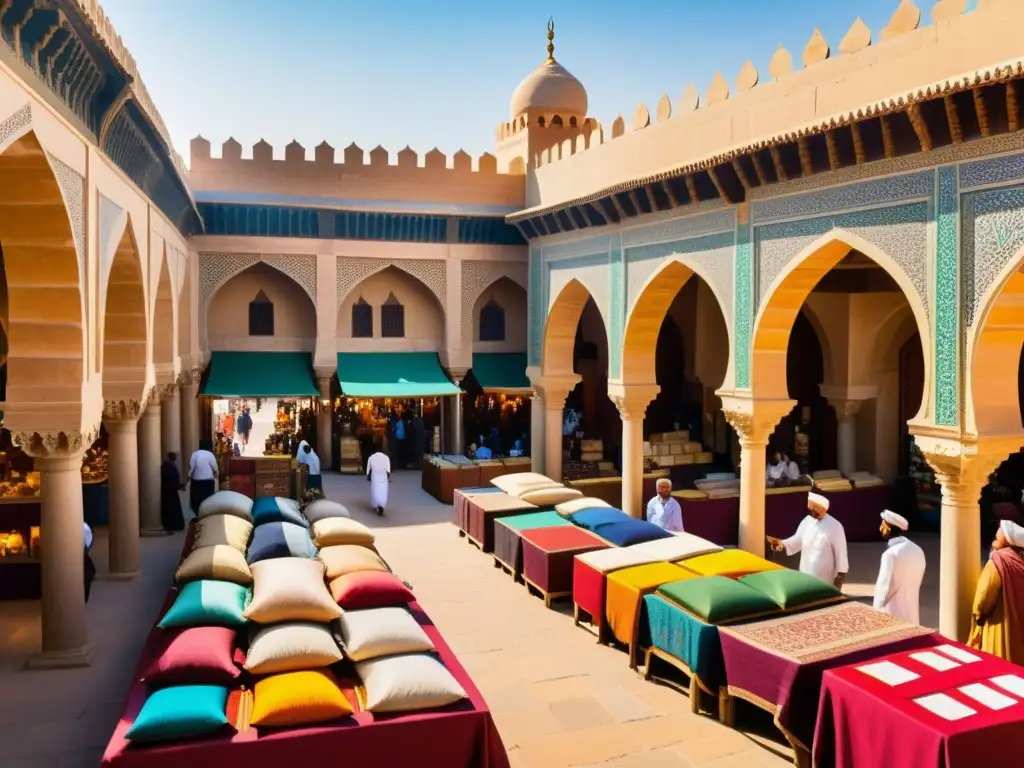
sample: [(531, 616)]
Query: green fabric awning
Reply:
[(393, 374), (501, 371), (261, 374)]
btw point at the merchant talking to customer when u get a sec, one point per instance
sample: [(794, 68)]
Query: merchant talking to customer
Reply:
[(821, 541)]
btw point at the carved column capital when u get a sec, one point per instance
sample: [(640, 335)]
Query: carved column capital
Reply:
[(554, 389), (754, 420), (846, 410), (458, 374), (56, 444), (964, 463), (632, 400), (168, 390), (123, 410)]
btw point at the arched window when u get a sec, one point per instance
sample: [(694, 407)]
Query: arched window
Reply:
[(492, 322), (261, 316), (392, 318), (362, 320)]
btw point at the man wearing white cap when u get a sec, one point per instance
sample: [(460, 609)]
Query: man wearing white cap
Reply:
[(821, 542), (898, 589)]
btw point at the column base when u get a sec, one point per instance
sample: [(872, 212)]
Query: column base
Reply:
[(153, 532), (119, 576), (74, 657)]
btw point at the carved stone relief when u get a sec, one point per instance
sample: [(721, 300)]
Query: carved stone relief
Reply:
[(477, 276), (215, 269), (431, 272)]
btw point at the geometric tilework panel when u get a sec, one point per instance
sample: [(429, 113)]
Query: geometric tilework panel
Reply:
[(72, 185), (352, 271), (16, 123), (742, 279), (993, 234), (680, 228), (901, 232), (617, 277), (992, 170), (947, 307), (215, 269), (478, 276), (535, 305)]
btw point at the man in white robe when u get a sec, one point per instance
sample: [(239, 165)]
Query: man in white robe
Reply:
[(378, 472), (897, 591), (821, 542), (306, 455)]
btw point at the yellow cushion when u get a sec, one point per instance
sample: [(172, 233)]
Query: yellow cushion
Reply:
[(626, 588), (349, 558), (218, 563), (546, 497), (298, 698), (689, 494), (332, 531), (223, 529), (733, 563)]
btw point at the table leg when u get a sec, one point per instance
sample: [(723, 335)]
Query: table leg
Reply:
[(694, 695), (726, 708), (575, 615)]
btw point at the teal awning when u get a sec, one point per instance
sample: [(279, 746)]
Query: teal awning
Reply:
[(393, 374), (261, 374), (501, 371)]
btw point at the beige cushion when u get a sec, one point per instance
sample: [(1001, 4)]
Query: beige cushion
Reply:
[(223, 529), (219, 563), (226, 503), (406, 683), (290, 647), (349, 558), (516, 482), (572, 506), (290, 589), (323, 508), (827, 474), (382, 632), (341, 530), (547, 497)]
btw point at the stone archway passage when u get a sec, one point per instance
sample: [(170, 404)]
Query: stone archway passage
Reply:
[(560, 329), (993, 405), (123, 356)]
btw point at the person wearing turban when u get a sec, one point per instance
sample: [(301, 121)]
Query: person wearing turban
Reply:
[(996, 620), (898, 589), (821, 541)]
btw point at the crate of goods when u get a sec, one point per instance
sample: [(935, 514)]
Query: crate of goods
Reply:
[(241, 466), (592, 456), (592, 446), (703, 458), (692, 447), (243, 484), (679, 436), (350, 448), (662, 449), (273, 477), (647, 450), (657, 437), (666, 461)]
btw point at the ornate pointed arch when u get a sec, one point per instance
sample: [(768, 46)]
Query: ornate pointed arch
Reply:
[(124, 330), (163, 316), (432, 273), (477, 278), (563, 319), (215, 269)]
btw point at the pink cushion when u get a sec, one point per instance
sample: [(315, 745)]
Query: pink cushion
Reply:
[(370, 589), (194, 656)]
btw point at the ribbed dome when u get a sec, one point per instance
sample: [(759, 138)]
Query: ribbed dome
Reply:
[(550, 88)]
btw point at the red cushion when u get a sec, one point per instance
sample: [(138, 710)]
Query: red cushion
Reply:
[(562, 538), (370, 589), (194, 656)]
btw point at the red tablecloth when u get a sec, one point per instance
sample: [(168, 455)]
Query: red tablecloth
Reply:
[(716, 520), (463, 734), (863, 721), (548, 555), (482, 511)]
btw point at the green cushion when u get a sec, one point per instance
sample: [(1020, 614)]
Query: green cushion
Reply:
[(791, 589), (207, 603), (180, 712), (547, 519), (717, 598)]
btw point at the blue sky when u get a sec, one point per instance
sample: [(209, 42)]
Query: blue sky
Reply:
[(428, 74)]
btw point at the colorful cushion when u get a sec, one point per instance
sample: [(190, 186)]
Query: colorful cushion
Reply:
[(370, 589), (290, 589), (207, 604), (614, 558), (194, 656), (567, 508), (277, 509), (792, 589), (180, 712), (595, 516), (219, 562), (562, 539), (298, 698), (547, 497), (280, 540), (716, 598), (323, 508), (631, 531), (382, 632), (349, 558), (226, 503), (409, 682), (229, 530), (678, 546), (519, 482), (332, 531), (290, 647), (730, 562), (530, 520), (625, 590)]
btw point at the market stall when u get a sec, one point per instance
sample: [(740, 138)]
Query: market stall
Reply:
[(496, 409)]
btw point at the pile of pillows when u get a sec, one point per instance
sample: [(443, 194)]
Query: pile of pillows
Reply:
[(536, 489), (328, 627)]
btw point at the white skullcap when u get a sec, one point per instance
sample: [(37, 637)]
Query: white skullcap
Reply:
[(817, 500), (663, 481), (896, 521), (1013, 532)]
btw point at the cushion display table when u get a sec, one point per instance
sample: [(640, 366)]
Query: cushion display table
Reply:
[(733, 563), (589, 580), (460, 502), (680, 546), (483, 510), (548, 558), (508, 544)]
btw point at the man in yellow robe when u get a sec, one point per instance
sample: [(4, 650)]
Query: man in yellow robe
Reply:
[(997, 621)]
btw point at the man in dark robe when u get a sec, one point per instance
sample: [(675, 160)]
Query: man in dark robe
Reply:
[(171, 516)]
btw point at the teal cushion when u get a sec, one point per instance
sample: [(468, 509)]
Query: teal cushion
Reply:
[(271, 509), (180, 712), (792, 589), (208, 604), (717, 598)]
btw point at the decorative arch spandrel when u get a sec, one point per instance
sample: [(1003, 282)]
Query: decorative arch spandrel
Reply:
[(352, 271), (215, 269), (477, 277)]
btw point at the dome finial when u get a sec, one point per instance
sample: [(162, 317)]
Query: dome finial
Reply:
[(551, 38)]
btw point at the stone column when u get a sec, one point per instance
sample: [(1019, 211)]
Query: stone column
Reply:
[(189, 413), (458, 446), (632, 402), (170, 423), (846, 434), (555, 389), (537, 434), (149, 469), (58, 458), (753, 421), (324, 423), (121, 420)]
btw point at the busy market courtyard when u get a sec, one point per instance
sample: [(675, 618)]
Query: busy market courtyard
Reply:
[(559, 698)]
